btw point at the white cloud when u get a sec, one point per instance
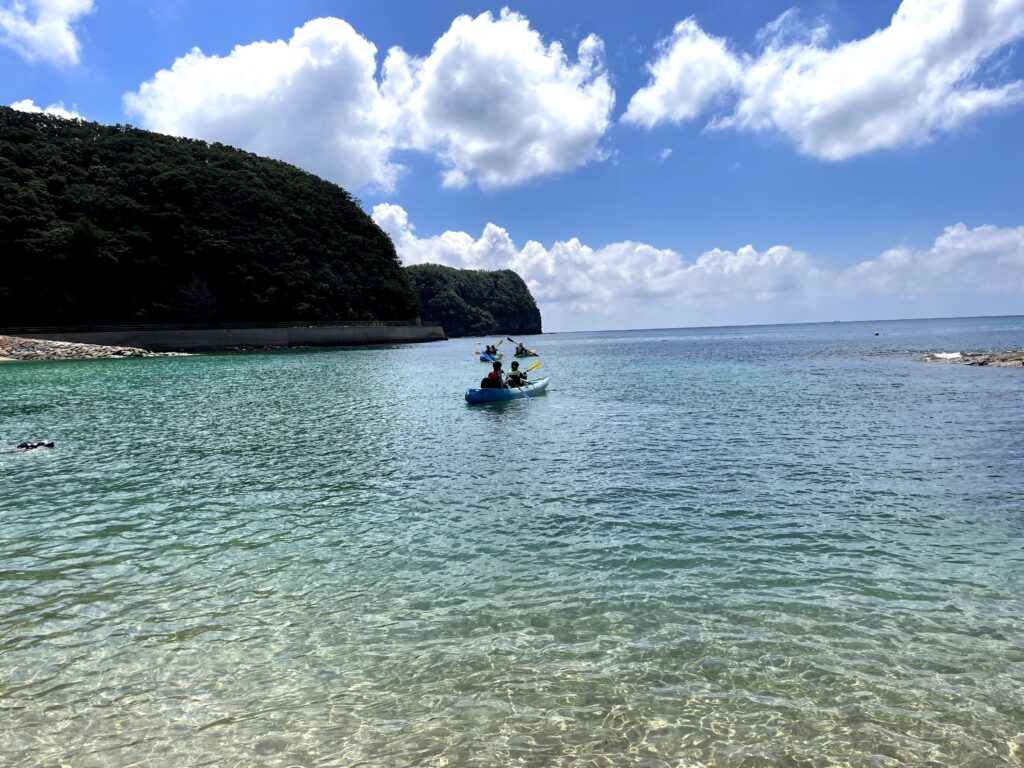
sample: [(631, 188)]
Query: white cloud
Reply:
[(57, 110), (312, 100), (41, 30), (493, 250), (632, 284), (692, 70), (617, 285), (985, 261), (500, 106), (922, 74), (492, 100)]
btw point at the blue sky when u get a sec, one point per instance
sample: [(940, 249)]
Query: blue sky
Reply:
[(666, 164)]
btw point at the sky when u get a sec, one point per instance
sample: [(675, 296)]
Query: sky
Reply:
[(640, 165)]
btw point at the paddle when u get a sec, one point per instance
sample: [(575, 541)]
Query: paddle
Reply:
[(533, 367), (491, 360), (531, 351), (500, 342), (522, 391)]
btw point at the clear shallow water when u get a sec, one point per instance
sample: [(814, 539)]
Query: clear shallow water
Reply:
[(790, 545)]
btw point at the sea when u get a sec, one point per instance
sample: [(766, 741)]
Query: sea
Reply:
[(792, 545)]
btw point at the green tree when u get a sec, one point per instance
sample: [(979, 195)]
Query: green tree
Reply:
[(471, 302), (109, 224)]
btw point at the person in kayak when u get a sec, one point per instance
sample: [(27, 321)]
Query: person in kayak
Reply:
[(521, 350), (495, 378), (516, 378)]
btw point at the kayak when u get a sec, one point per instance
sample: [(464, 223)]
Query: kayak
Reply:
[(531, 353), (500, 395), (491, 357)]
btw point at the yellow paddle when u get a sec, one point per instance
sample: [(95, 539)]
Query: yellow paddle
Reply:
[(534, 367), (522, 391), (530, 351), (477, 352)]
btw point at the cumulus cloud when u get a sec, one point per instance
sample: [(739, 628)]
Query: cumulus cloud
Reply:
[(57, 110), (498, 104), (692, 70), (42, 30), (312, 100), (631, 284), (617, 285), (922, 74), (495, 103), (985, 261)]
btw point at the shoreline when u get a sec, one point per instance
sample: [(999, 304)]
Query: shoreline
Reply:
[(215, 337)]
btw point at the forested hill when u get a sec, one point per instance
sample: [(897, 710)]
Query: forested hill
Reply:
[(470, 302), (109, 224)]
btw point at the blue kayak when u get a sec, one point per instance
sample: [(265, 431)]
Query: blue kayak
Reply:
[(491, 358), (500, 395)]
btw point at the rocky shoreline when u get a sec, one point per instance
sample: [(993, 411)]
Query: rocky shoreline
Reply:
[(1010, 359), (15, 348)]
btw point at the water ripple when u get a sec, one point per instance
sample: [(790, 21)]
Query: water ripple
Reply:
[(752, 547)]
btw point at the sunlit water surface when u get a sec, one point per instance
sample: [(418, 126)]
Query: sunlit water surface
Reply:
[(791, 545)]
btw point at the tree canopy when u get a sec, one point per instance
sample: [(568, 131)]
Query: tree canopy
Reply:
[(110, 224), (470, 302)]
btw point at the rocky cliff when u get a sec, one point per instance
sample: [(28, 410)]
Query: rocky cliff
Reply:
[(469, 302)]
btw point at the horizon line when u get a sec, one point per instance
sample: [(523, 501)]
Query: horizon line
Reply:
[(769, 325)]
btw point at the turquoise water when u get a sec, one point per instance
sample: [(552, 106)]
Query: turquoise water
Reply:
[(788, 545)]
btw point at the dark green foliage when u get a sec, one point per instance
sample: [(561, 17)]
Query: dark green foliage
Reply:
[(469, 302), (108, 224)]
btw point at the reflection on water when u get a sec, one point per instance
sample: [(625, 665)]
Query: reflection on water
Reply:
[(734, 547)]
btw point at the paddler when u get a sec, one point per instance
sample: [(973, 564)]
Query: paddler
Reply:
[(516, 378), (494, 378)]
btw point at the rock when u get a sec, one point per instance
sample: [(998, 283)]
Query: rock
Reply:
[(31, 445), (13, 348), (1007, 359)]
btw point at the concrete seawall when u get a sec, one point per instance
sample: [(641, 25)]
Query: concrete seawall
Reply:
[(199, 339)]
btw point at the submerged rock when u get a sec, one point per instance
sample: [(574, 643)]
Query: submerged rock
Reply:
[(30, 445)]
